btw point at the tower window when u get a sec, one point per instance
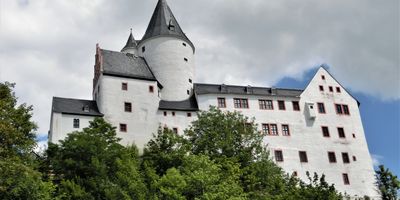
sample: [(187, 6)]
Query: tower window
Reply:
[(184, 44), (303, 156), (278, 156), (185, 59), (128, 107), (151, 89), (188, 92), (143, 49), (341, 132), (190, 80), (296, 105), (354, 135), (76, 123), (124, 86), (325, 131), (345, 157), (281, 105), (221, 102), (122, 127), (346, 180), (332, 157)]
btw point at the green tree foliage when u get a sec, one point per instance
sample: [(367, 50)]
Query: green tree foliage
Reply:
[(388, 183), (19, 177)]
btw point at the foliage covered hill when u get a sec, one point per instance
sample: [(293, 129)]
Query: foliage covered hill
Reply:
[(219, 157)]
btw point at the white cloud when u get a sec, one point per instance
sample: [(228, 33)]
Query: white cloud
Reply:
[(376, 159), (47, 47)]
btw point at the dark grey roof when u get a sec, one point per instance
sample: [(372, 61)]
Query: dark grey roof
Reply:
[(164, 23), (130, 43), (186, 105), (125, 65), (200, 88), (75, 106)]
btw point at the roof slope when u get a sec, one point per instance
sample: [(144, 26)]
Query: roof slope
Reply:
[(75, 106), (186, 105), (125, 65), (130, 43), (164, 23), (200, 88)]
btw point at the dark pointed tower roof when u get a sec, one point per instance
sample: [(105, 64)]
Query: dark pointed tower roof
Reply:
[(131, 43), (163, 23)]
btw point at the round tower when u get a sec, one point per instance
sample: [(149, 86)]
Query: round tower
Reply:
[(169, 54)]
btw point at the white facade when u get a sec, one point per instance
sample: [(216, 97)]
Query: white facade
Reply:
[(171, 60)]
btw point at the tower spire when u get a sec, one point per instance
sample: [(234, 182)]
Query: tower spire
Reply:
[(164, 23), (130, 43)]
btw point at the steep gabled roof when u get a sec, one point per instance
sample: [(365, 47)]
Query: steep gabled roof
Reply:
[(75, 107), (125, 65), (163, 23)]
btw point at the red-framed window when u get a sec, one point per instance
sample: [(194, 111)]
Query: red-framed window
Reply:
[(281, 105), (265, 104), (274, 129), (331, 157), (278, 156), (325, 131), (241, 103), (221, 102), (124, 86), (285, 130), (321, 108), (151, 89), (128, 107), (346, 180), (265, 129), (341, 132), (296, 105), (342, 109), (123, 127), (303, 156)]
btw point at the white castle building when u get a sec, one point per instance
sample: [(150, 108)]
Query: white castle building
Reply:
[(149, 84)]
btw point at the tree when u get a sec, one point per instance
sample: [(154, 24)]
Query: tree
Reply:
[(93, 164), (387, 183)]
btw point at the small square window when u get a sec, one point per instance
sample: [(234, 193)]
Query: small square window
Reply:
[(321, 88), (76, 123), (345, 157), (330, 89), (341, 132), (323, 77), (151, 89), (303, 156), (122, 127), (184, 44), (173, 114), (221, 102), (354, 158), (325, 131), (124, 86), (332, 157), (296, 105), (338, 89), (346, 180), (278, 156), (281, 105), (294, 173), (128, 107), (175, 130), (143, 49), (354, 135), (165, 113), (189, 114), (190, 80), (185, 59)]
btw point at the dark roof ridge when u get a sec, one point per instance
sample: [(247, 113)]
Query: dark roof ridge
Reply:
[(258, 87)]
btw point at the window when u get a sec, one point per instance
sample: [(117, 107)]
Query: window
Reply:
[(338, 89), (325, 131), (345, 157), (185, 59), (190, 80), (124, 86), (296, 105), (354, 135), (323, 77), (332, 157), (294, 173), (122, 127), (189, 114), (76, 123), (346, 180), (330, 89), (184, 44), (221, 102), (173, 114), (265, 104), (151, 89), (342, 109), (281, 105), (346, 110), (128, 107), (278, 156), (188, 92), (341, 132), (165, 113), (274, 129), (354, 158), (175, 130), (321, 108), (265, 129), (303, 156), (321, 88), (240, 103), (143, 49), (285, 130)]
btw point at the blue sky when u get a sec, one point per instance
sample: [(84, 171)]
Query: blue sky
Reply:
[(381, 121)]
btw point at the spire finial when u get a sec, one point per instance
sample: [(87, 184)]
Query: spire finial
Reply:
[(131, 30)]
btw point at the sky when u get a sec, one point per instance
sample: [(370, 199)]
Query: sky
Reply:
[(47, 48)]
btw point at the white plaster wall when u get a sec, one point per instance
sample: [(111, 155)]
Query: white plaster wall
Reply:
[(62, 125), (165, 56), (142, 121), (180, 120)]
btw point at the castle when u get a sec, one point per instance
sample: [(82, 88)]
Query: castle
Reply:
[(149, 84)]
